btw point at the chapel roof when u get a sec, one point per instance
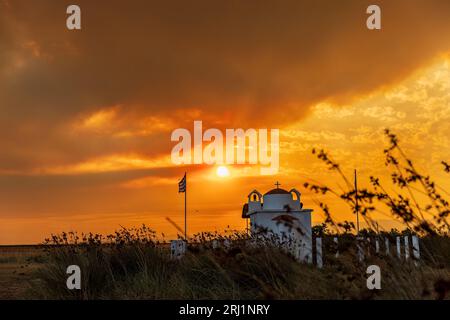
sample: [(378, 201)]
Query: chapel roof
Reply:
[(277, 191)]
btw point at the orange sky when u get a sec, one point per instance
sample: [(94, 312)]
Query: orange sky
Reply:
[(86, 116)]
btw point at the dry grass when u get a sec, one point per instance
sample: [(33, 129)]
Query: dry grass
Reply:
[(134, 269), (17, 267)]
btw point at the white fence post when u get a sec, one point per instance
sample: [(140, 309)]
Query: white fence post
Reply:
[(336, 241), (368, 247), (177, 249), (359, 242), (319, 260), (399, 253), (306, 251), (416, 248), (377, 245), (386, 244), (406, 247)]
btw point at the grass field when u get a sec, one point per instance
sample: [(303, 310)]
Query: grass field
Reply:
[(137, 269), (18, 265)]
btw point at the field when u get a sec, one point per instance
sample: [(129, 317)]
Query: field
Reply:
[(17, 267), (141, 269)]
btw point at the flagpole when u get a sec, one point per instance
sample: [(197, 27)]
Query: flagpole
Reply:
[(356, 206), (185, 215)]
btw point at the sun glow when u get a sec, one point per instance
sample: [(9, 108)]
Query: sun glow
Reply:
[(222, 172)]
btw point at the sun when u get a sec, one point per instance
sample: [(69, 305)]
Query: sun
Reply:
[(222, 171)]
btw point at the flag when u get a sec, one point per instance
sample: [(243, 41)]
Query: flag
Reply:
[(182, 189), (182, 185)]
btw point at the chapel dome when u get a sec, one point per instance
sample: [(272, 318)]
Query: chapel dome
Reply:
[(279, 199), (277, 191)]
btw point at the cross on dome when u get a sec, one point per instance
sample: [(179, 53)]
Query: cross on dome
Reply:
[(278, 185)]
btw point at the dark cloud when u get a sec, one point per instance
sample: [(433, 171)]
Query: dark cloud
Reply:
[(87, 192), (245, 63)]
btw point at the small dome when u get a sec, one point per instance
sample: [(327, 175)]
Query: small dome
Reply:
[(277, 191)]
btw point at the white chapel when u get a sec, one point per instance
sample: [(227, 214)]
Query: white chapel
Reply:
[(280, 214)]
